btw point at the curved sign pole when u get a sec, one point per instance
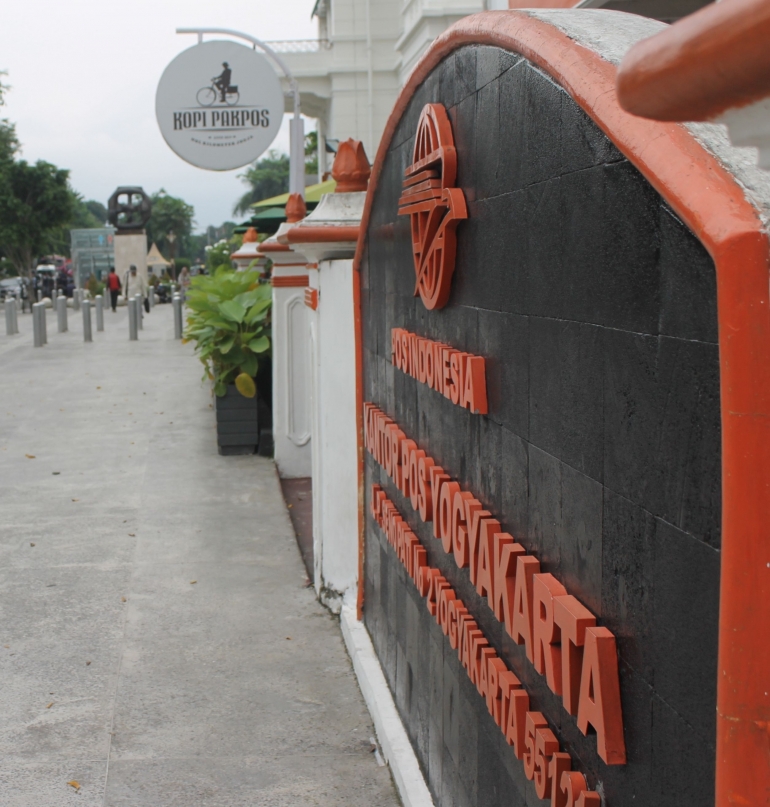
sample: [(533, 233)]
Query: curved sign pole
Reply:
[(297, 127)]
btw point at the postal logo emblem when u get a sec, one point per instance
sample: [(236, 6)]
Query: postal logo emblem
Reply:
[(434, 206)]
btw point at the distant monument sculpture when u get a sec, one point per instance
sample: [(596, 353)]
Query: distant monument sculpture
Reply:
[(129, 209)]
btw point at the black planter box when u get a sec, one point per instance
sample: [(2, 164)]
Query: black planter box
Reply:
[(237, 423)]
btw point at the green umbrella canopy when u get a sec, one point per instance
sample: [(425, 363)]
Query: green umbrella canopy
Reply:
[(270, 213), (313, 194), (266, 220)]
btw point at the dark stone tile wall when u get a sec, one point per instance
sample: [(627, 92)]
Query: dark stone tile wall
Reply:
[(595, 308)]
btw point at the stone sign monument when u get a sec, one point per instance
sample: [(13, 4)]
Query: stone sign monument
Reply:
[(548, 401)]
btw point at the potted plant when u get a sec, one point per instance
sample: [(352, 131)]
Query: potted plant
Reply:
[(229, 321)]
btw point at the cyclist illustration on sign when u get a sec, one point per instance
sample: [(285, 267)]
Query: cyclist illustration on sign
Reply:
[(220, 85)]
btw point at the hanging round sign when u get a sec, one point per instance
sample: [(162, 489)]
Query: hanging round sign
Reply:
[(219, 105)]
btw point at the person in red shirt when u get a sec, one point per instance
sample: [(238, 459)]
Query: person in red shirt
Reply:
[(114, 285)]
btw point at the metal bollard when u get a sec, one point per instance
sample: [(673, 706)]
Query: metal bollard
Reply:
[(37, 325), (133, 328), (99, 312), (11, 326), (87, 334), (176, 302), (44, 323), (61, 312)]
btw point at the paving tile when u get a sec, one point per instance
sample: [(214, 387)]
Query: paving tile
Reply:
[(270, 781)]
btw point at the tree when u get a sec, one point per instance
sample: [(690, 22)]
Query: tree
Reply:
[(170, 215), (268, 177), (81, 219), (311, 153), (35, 200), (98, 211), (9, 143)]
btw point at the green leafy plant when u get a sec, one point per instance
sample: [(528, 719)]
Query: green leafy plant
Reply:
[(229, 321), (94, 286), (218, 255)]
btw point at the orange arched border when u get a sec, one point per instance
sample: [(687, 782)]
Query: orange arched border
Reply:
[(712, 204)]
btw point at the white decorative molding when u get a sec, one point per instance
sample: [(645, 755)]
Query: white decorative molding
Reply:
[(297, 399), (291, 372), (335, 210)]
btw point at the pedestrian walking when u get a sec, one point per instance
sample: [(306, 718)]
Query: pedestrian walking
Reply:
[(184, 281), (136, 284), (114, 285)]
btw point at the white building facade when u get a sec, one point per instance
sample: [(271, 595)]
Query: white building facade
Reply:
[(350, 76)]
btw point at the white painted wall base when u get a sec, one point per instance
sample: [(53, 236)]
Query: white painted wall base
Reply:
[(396, 748)]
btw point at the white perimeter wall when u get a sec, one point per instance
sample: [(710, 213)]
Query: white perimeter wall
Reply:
[(335, 450)]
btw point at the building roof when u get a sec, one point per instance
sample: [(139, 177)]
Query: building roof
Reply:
[(154, 258), (313, 193)]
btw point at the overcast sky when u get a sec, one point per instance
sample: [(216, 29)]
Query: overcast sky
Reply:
[(83, 75)]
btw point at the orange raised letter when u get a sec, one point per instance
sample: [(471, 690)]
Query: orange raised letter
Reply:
[(600, 696), (545, 634), (526, 568), (485, 571), (572, 618)]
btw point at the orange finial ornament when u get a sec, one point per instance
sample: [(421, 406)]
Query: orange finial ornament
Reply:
[(351, 168), (296, 210)]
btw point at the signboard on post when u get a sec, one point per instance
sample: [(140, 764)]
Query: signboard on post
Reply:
[(219, 105)]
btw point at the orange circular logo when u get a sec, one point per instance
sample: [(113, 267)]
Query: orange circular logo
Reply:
[(434, 206)]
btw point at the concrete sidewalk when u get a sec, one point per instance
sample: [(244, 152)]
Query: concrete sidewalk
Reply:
[(158, 645)]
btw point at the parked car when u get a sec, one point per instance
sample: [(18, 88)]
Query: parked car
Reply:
[(45, 279), (10, 287)]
